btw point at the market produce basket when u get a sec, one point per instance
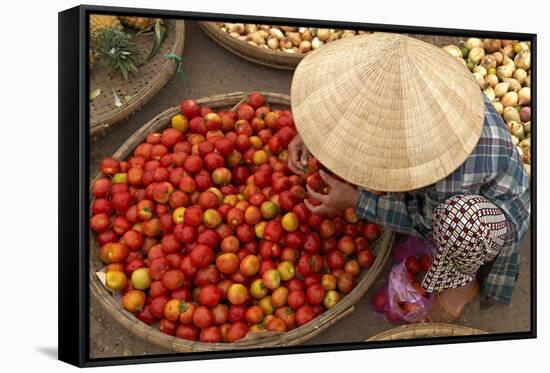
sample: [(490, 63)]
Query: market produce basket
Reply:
[(382, 248), (266, 57), (425, 330), (139, 88), (283, 60)]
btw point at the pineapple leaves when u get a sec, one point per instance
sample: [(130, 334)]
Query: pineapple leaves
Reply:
[(118, 51), (179, 63), (159, 35)]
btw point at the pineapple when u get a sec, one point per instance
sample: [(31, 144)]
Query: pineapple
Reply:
[(117, 50), (101, 22), (138, 23)]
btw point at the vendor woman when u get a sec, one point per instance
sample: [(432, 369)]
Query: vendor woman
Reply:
[(409, 125)]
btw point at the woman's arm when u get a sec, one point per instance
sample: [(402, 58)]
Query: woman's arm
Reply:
[(388, 210)]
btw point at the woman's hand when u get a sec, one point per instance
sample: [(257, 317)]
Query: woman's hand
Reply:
[(298, 155), (341, 196)]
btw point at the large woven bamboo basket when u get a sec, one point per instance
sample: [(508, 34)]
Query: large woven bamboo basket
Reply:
[(283, 60), (266, 57), (140, 87), (425, 330), (382, 249)]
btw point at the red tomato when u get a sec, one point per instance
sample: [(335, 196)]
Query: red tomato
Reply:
[(304, 314), (210, 295)]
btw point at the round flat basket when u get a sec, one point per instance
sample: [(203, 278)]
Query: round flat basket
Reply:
[(140, 87), (266, 57), (381, 248), (283, 60), (425, 330)]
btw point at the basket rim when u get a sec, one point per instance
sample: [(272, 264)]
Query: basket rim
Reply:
[(265, 57), (99, 126), (426, 330), (293, 337)]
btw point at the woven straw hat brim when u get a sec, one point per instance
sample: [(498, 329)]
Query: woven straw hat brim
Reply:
[(387, 111)]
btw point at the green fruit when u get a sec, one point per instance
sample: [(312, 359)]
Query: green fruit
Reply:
[(141, 279)]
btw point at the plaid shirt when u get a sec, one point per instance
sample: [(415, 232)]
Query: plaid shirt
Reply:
[(495, 171)]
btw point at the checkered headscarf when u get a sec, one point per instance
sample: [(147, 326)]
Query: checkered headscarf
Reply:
[(469, 231)]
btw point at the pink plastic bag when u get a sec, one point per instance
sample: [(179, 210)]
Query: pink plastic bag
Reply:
[(413, 246), (404, 300)]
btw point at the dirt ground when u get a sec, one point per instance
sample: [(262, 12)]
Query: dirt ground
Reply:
[(209, 70)]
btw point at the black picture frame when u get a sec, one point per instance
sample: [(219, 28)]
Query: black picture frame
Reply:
[(74, 173)]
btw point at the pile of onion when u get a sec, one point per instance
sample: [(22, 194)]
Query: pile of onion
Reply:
[(289, 39), (502, 69)]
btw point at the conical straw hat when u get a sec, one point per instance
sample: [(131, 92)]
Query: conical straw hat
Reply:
[(387, 111)]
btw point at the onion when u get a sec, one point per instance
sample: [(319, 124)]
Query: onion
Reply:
[(276, 33), (489, 61), (285, 44), (498, 57), (520, 151), (305, 46), (505, 71), (347, 34), (480, 80), (256, 38), (306, 35), (505, 42), (491, 45), (525, 145), (514, 84), (240, 28), (528, 80), (323, 34), (490, 93), (316, 43), (335, 36), (509, 99), (523, 59), (524, 95), (517, 129), (527, 168), (476, 54), (515, 140), (453, 50), (525, 114), (510, 113), (250, 28), (518, 47), (520, 75), (234, 34), (498, 106), (527, 126), (273, 43), (491, 80), (289, 28), (480, 69), (508, 50), (473, 43), (507, 61), (501, 89), (294, 37), (264, 34)]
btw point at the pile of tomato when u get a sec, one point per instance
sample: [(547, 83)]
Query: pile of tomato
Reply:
[(205, 233)]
